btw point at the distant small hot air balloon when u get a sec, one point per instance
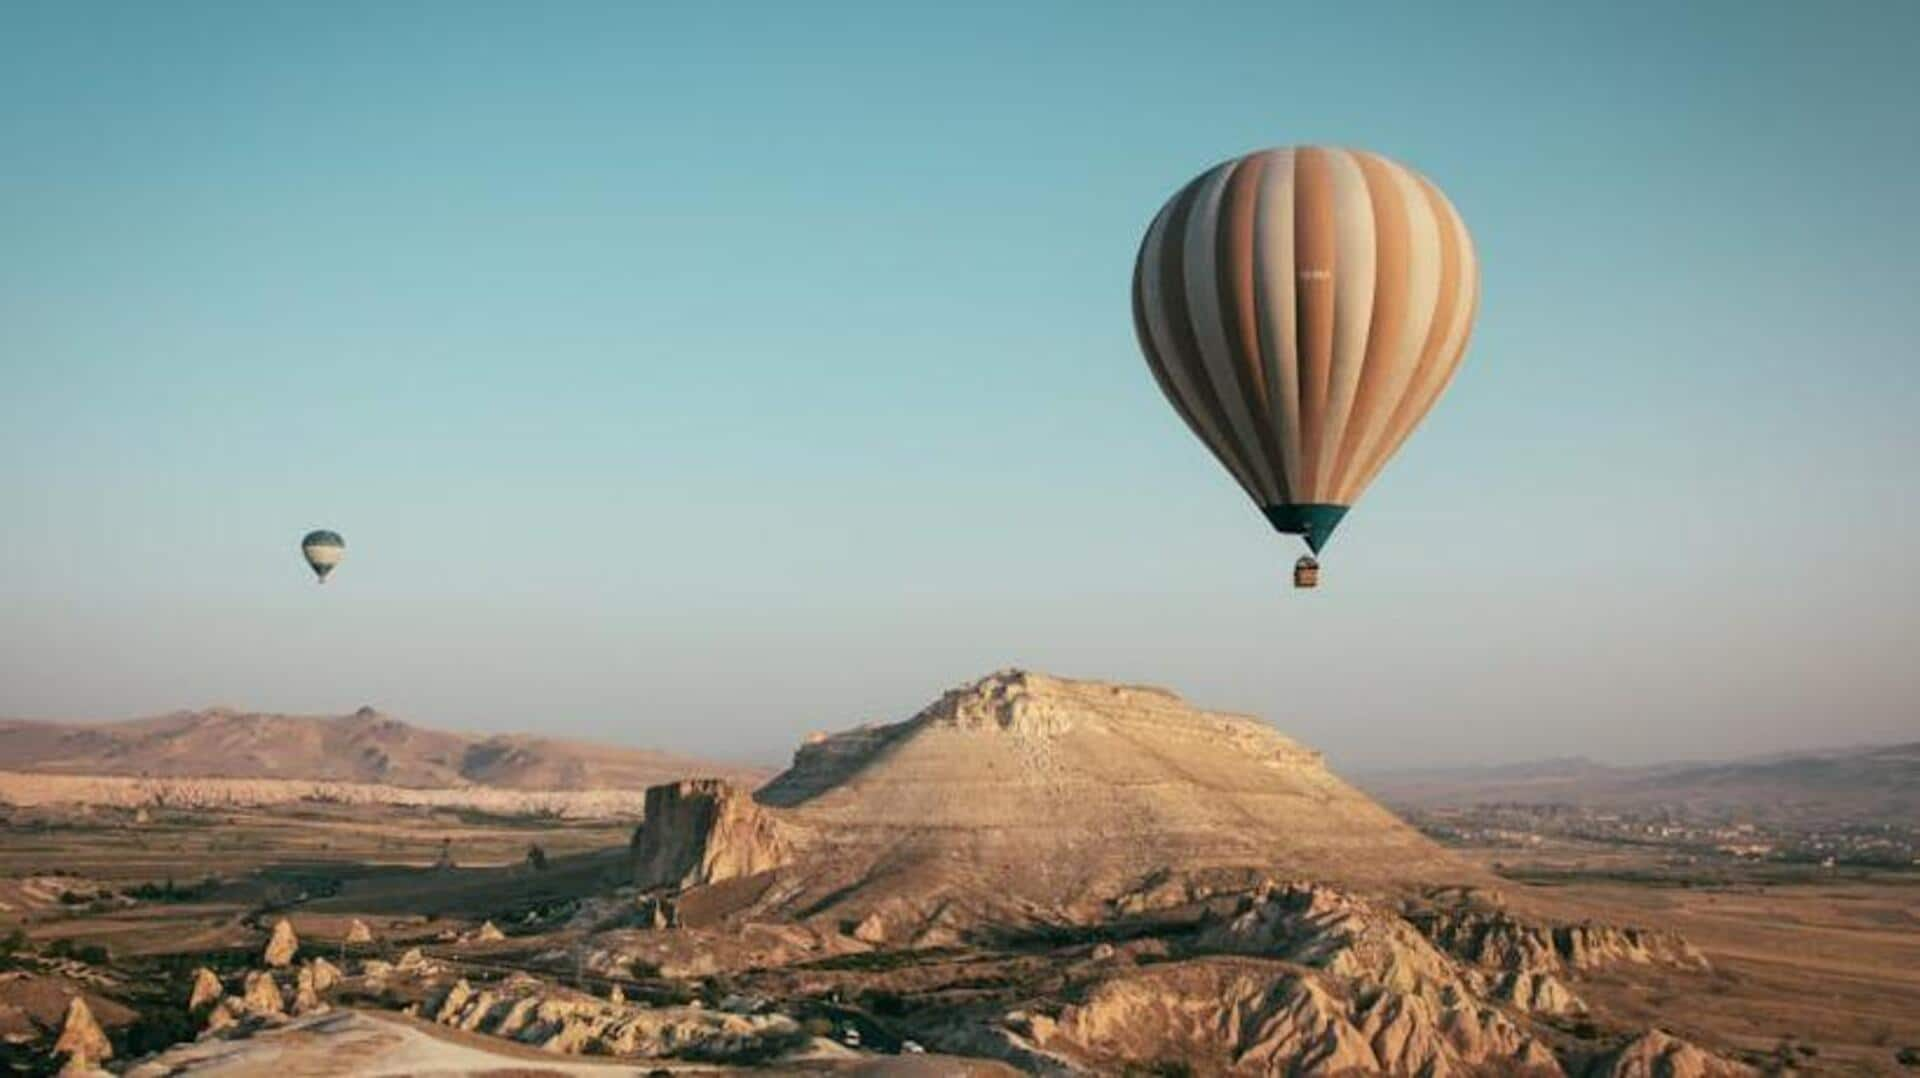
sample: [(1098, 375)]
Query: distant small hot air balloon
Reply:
[(323, 550), (1302, 309)]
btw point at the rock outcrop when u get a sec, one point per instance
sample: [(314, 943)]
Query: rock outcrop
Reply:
[(306, 992), (703, 831), (227, 1013), (1328, 929), (1537, 992), (1241, 1017), (564, 1021), (282, 947), (1341, 983), (358, 933), (1498, 940), (206, 991), (261, 996), (82, 1041), (1656, 1054), (456, 998), (325, 975)]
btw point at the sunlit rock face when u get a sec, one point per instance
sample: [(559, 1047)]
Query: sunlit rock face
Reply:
[(1027, 798), (703, 831)]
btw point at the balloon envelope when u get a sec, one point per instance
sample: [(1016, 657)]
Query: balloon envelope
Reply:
[(1302, 309), (323, 550)]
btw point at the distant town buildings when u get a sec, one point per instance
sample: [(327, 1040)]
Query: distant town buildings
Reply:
[(1689, 836)]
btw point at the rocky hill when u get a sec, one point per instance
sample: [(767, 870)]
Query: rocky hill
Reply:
[(1083, 878), (365, 747), (1024, 797)]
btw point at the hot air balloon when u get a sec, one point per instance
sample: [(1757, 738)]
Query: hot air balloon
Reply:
[(323, 550), (1302, 309)]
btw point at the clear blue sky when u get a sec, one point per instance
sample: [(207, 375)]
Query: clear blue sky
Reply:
[(698, 375)]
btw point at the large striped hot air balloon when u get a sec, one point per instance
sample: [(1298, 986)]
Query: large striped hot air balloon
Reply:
[(1303, 308), (323, 550)]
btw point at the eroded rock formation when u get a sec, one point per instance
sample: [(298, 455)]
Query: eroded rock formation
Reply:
[(488, 932), (561, 1020), (325, 974), (282, 947), (1656, 1054), (704, 831), (261, 996), (206, 991), (82, 1041), (1497, 940)]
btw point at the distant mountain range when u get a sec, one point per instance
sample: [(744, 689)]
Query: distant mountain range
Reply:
[(363, 747), (1877, 782)]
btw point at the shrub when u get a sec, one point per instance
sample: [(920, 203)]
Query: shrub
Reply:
[(11, 947)]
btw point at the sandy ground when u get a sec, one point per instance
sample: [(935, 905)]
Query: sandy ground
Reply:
[(369, 1044), (373, 1044), (1831, 966)]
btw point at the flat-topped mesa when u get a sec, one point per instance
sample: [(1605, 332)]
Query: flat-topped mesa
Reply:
[(701, 831)]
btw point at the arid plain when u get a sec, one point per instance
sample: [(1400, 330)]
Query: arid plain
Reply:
[(1030, 875)]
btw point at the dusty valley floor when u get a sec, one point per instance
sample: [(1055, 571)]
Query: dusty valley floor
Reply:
[(991, 887)]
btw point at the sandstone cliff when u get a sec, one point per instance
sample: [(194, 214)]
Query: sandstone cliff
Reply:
[(704, 831)]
